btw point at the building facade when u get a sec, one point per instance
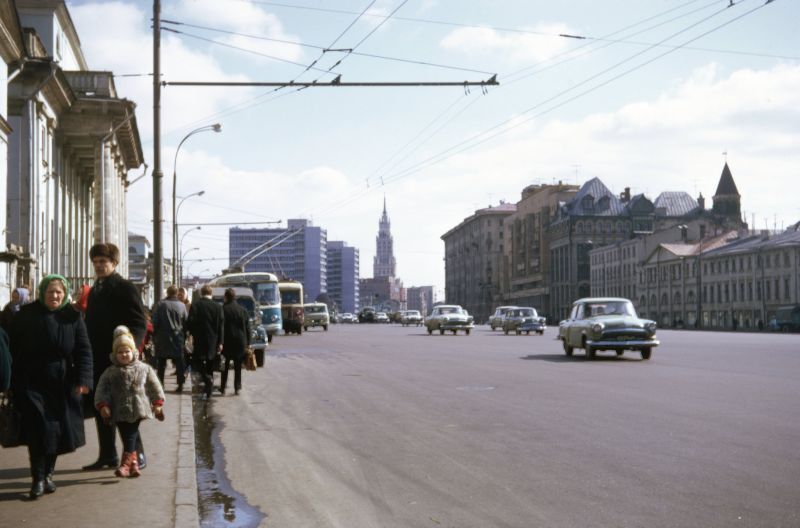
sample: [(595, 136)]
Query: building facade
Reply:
[(72, 144), (342, 280), (419, 298), (526, 258), (298, 252), (384, 293), (473, 260), (384, 264)]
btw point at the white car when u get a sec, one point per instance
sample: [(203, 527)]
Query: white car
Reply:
[(450, 317), (411, 317), (381, 317)]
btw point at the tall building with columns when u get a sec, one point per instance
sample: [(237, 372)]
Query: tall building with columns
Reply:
[(384, 263)]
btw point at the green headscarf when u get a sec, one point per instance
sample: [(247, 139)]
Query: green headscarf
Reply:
[(43, 288)]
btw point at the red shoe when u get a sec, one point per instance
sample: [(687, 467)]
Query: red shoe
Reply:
[(134, 466), (124, 471)]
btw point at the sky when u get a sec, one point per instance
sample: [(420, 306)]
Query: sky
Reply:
[(654, 95)]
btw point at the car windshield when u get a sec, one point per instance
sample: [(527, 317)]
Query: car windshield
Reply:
[(524, 312), (594, 309), (314, 309), (266, 293), (290, 297), (450, 310), (412, 313)]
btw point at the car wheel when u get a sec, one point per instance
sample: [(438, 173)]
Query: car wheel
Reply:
[(646, 352), (305, 328), (467, 331), (567, 349), (325, 327), (455, 332), (620, 352), (269, 338), (430, 331), (590, 351), (260, 357), (441, 331), (518, 332), (505, 331), (492, 328), (299, 331)]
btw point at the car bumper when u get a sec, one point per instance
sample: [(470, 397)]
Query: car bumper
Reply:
[(632, 344), (534, 327), (451, 325), (315, 322)]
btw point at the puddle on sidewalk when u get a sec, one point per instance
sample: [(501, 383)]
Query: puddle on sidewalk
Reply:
[(218, 503)]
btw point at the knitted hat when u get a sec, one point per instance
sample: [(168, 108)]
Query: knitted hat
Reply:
[(123, 336)]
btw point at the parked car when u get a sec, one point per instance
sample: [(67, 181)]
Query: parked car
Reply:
[(411, 317), (496, 320), (316, 314), (348, 318), (523, 319), (258, 334), (449, 317), (381, 317), (607, 324)]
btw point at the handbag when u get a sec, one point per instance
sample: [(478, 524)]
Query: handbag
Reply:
[(10, 424), (249, 359)]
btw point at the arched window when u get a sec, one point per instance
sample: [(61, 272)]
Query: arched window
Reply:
[(690, 296), (579, 227), (676, 299), (643, 301), (653, 300), (664, 299)]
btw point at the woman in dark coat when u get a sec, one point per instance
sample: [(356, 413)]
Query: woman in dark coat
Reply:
[(52, 362), (236, 338)]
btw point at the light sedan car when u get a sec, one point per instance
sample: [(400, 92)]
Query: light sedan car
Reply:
[(381, 317), (523, 319), (607, 324), (496, 319), (449, 317), (348, 318), (411, 317)]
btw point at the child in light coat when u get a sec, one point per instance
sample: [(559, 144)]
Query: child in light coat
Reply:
[(127, 393)]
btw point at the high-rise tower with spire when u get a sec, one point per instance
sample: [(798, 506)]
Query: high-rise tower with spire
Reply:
[(384, 263)]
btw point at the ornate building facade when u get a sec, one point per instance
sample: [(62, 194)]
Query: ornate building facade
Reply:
[(384, 264)]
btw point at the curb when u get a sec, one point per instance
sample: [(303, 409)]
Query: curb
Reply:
[(186, 512)]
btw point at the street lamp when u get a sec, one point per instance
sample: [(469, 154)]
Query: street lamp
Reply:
[(184, 256), (216, 127), (179, 261)]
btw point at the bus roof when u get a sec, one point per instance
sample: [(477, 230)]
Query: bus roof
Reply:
[(240, 278)]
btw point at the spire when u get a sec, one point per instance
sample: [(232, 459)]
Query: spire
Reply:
[(726, 186)]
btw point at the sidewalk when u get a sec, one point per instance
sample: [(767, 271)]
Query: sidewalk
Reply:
[(164, 496)]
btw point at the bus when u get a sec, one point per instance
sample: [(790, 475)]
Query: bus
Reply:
[(292, 306), (265, 290)]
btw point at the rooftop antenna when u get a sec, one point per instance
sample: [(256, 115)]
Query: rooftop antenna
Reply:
[(725, 154), (576, 167)]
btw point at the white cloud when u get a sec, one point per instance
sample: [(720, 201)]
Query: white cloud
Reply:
[(541, 44)]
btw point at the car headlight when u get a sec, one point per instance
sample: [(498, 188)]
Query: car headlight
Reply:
[(597, 328), (650, 327)]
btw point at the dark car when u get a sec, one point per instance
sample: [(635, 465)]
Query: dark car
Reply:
[(607, 324), (366, 315)]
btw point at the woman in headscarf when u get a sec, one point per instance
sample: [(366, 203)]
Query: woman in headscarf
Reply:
[(52, 361), (19, 297)]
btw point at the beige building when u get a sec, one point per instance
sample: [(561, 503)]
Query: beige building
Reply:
[(73, 142), (473, 256), (526, 256)]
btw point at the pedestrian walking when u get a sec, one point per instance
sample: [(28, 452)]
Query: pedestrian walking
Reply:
[(169, 338), (19, 297), (127, 393), (52, 368), (205, 324), (236, 339), (113, 301)]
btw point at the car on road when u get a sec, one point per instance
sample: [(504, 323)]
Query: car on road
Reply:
[(316, 314), (450, 317), (523, 319), (348, 318), (411, 317), (496, 319), (381, 317), (606, 323), (366, 315)]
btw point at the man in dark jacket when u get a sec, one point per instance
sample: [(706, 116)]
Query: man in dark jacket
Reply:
[(169, 320), (113, 301), (205, 323), (236, 339)]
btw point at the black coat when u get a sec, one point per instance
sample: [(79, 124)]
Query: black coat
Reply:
[(237, 330), (205, 323), (52, 357), (169, 320), (111, 303)]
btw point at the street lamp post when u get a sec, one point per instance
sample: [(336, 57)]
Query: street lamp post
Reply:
[(176, 250), (216, 127), (182, 257), (178, 260)]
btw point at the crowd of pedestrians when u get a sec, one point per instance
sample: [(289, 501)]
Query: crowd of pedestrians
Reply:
[(62, 361)]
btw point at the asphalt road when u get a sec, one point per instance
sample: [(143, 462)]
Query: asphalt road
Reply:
[(384, 426)]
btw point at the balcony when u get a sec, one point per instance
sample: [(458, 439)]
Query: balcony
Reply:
[(92, 83)]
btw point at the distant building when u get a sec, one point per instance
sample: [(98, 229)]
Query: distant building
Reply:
[(298, 251), (473, 260), (342, 280), (383, 292), (384, 264), (419, 298)]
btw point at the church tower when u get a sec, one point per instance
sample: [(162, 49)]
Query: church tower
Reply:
[(727, 201), (384, 264)]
